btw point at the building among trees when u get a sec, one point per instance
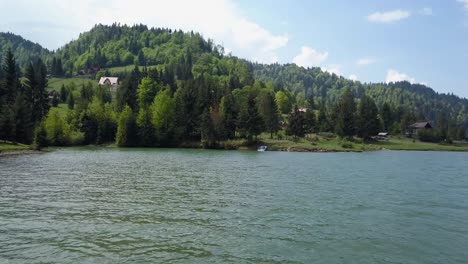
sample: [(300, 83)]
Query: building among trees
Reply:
[(112, 82), (412, 130)]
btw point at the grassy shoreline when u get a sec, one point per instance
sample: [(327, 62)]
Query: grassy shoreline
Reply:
[(310, 144)]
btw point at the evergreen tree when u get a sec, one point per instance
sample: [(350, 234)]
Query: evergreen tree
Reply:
[(310, 121), (367, 118), (127, 92), (250, 123), (63, 94), (228, 116), (71, 101), (268, 110), (322, 120), (146, 131), (296, 124), (310, 101), (36, 90), (345, 123), (55, 100), (126, 129), (9, 90), (40, 136), (386, 115)]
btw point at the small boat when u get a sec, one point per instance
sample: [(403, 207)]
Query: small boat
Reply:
[(262, 148)]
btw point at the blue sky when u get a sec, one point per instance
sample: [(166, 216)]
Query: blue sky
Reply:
[(368, 40)]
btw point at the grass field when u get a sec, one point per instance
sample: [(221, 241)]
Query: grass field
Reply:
[(56, 83), (9, 146), (408, 144), (322, 144)]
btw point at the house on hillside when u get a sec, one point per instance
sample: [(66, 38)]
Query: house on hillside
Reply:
[(412, 130), (111, 82)]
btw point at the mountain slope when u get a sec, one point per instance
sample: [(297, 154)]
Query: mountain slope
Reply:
[(425, 102), (188, 55), (24, 50)]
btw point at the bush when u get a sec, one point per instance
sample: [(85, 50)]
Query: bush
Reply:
[(347, 145), (429, 135)]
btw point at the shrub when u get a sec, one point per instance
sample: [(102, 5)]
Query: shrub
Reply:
[(347, 145), (429, 135)]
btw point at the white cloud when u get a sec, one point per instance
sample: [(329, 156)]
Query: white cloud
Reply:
[(353, 77), (309, 57), (464, 2), (388, 17), (395, 76), (334, 68), (220, 20), (426, 11), (365, 61)]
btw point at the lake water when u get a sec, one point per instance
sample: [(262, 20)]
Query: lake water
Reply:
[(200, 206)]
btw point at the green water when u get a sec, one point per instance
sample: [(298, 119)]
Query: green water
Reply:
[(196, 206)]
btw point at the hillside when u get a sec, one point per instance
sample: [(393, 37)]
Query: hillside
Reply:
[(24, 50), (422, 100), (195, 67)]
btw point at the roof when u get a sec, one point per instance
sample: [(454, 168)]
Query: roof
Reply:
[(383, 134), (112, 80), (421, 125)]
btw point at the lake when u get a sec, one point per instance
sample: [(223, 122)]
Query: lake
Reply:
[(107, 205)]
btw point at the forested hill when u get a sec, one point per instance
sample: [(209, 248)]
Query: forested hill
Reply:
[(403, 96), (187, 55), (24, 50)]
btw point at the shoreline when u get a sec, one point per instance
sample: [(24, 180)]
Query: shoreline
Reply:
[(18, 152)]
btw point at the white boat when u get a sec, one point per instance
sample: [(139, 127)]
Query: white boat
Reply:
[(262, 148)]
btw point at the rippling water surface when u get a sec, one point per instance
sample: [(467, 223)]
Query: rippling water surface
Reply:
[(197, 206)]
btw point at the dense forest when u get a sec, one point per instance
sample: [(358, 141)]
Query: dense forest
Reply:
[(184, 89)]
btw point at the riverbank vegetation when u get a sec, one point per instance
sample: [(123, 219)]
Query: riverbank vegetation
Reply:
[(196, 96)]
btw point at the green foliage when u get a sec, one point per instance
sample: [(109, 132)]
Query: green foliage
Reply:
[(368, 123), (268, 110), (430, 135), (126, 129), (58, 132), (345, 115), (297, 124), (71, 101), (163, 114), (207, 96), (40, 136), (250, 123), (284, 101)]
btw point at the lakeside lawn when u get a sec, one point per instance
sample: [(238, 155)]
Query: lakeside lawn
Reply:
[(324, 144), (402, 143), (10, 146)]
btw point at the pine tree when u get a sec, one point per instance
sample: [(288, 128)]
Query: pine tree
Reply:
[(71, 101), (55, 100), (40, 136), (345, 123), (367, 118), (126, 129), (269, 112), (296, 124), (310, 121), (250, 123), (386, 115), (63, 94), (228, 116)]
